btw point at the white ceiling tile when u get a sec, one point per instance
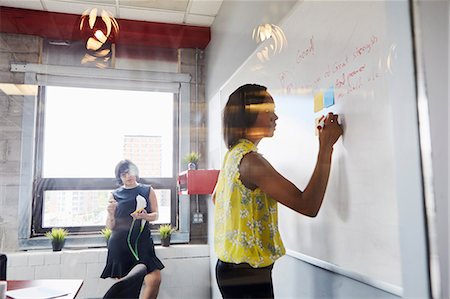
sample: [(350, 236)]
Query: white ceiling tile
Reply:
[(93, 2), (199, 20), (205, 7), (75, 7), (178, 5), (151, 15), (26, 4), (200, 12)]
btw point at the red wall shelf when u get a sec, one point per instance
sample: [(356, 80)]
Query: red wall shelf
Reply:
[(201, 181)]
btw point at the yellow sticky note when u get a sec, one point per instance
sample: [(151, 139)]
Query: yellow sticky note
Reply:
[(318, 101)]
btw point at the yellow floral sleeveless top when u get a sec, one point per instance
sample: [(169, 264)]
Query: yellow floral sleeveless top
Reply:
[(245, 221)]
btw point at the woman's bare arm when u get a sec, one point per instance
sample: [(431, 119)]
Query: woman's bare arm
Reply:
[(111, 209), (257, 172)]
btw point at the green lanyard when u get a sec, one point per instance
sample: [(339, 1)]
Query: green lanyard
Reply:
[(135, 250)]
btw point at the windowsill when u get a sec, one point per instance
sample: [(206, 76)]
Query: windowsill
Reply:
[(173, 251), (90, 241)]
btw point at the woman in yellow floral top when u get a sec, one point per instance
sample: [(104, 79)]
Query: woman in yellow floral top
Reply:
[(246, 237)]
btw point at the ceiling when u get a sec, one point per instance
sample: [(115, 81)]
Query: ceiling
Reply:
[(170, 24), (186, 12)]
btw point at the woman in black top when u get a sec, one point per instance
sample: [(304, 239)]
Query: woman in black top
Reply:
[(130, 209)]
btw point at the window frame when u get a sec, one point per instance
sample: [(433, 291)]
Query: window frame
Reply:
[(51, 75), (41, 184)]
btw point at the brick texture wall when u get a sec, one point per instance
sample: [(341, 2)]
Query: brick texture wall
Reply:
[(13, 48)]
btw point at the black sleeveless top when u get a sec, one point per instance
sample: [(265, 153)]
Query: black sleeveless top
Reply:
[(127, 203), (129, 243)]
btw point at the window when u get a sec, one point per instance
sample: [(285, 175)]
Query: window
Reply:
[(38, 180), (81, 135)]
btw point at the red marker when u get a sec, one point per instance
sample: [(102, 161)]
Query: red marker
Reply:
[(321, 122)]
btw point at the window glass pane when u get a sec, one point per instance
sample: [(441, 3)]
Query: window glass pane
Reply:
[(74, 208), (164, 205), (87, 131), (70, 208)]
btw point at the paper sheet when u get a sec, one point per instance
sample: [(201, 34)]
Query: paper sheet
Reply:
[(35, 293)]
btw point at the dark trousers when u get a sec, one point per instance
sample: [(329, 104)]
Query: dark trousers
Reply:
[(244, 281), (3, 260)]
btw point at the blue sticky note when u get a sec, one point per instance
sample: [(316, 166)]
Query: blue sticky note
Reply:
[(328, 97)]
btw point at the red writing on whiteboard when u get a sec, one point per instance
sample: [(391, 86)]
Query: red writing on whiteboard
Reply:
[(340, 81), (346, 83), (366, 48), (353, 73), (337, 66), (286, 80), (302, 54), (317, 81), (347, 78)]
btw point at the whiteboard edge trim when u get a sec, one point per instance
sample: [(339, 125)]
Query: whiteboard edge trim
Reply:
[(390, 288)]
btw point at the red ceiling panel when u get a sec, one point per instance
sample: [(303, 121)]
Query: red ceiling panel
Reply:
[(63, 26)]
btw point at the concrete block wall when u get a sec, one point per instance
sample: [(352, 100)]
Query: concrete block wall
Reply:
[(186, 273), (13, 48)]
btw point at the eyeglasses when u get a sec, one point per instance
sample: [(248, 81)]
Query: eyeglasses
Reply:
[(128, 172)]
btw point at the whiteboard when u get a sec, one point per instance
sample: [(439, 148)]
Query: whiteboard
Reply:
[(353, 49)]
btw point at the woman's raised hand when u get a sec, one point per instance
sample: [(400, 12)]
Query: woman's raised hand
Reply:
[(111, 208), (330, 132)]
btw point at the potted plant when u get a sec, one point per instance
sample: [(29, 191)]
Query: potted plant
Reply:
[(106, 232), (165, 231), (191, 159), (58, 237)]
